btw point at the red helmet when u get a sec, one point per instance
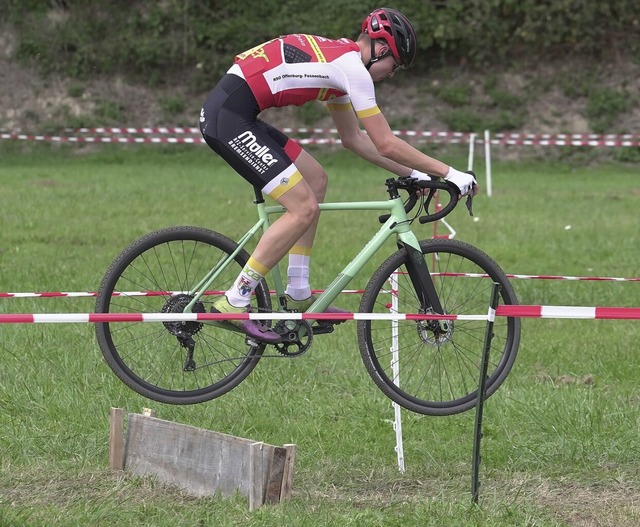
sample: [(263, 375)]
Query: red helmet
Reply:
[(394, 28)]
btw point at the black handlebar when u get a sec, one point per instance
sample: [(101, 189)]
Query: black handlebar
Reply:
[(413, 185)]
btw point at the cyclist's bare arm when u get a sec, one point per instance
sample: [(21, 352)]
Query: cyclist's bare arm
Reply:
[(395, 149), (356, 140), (381, 147)]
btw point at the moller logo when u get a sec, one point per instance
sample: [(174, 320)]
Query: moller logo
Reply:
[(251, 144)]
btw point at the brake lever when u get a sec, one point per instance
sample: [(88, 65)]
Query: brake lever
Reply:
[(469, 204)]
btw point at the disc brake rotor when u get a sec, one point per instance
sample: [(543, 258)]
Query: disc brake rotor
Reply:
[(435, 332)]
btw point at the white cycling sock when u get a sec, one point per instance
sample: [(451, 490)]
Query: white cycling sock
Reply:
[(240, 294), (298, 273)]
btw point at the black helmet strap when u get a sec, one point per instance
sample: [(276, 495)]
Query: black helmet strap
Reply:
[(373, 58)]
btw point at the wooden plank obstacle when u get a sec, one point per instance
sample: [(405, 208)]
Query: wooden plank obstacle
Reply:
[(200, 462)]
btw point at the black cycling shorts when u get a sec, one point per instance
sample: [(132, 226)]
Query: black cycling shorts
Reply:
[(259, 152)]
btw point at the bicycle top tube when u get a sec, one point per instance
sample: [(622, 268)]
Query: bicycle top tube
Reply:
[(410, 185), (341, 205)]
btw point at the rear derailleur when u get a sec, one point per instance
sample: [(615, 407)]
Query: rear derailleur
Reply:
[(185, 330)]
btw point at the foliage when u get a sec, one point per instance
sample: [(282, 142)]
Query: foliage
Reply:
[(604, 106), (148, 39), (311, 113), (489, 30), (469, 108), (159, 44), (454, 94), (172, 105)]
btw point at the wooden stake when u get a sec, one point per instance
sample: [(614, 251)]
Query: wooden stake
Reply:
[(287, 475), (116, 439)]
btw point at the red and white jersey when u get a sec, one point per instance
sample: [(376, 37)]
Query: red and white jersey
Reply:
[(295, 69)]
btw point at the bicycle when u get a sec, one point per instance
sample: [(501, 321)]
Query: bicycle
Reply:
[(436, 362)]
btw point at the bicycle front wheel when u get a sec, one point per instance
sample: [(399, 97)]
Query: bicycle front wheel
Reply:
[(175, 362), (437, 372)]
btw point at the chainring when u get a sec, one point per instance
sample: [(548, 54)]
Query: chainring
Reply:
[(297, 337)]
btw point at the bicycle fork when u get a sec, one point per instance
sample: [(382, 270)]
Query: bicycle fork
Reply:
[(422, 282)]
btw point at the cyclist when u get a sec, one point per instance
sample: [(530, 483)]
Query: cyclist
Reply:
[(293, 70)]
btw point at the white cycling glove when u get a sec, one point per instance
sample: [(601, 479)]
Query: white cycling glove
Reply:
[(462, 180), (420, 176)]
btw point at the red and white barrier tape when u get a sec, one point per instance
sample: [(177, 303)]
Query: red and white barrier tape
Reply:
[(564, 312), (287, 130), (139, 140), (498, 137), (123, 135), (610, 313), (80, 294), (577, 278), (106, 139), (130, 130), (609, 140), (21, 318)]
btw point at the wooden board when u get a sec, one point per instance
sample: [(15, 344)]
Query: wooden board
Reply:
[(203, 462)]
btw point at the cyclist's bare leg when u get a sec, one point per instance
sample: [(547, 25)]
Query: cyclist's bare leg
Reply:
[(302, 213), (298, 287), (316, 178)]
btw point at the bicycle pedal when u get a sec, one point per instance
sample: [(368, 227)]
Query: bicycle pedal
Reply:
[(329, 322), (322, 329)]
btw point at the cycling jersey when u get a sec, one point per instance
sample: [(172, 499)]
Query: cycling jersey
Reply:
[(289, 70), (296, 69)]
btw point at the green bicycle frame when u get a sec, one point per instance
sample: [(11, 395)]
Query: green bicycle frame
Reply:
[(398, 224)]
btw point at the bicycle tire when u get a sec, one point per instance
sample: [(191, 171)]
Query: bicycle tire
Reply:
[(438, 375), (147, 356)]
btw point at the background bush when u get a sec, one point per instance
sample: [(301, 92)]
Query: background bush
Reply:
[(152, 41)]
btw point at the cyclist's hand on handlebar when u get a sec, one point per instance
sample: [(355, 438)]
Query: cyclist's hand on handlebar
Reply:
[(465, 181), (420, 176)]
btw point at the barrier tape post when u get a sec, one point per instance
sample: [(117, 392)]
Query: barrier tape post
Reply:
[(482, 392), (395, 368), (472, 142), (487, 160)]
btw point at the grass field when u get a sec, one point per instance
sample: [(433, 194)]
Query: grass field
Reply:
[(561, 444)]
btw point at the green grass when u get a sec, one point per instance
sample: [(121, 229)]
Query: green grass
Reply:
[(560, 445)]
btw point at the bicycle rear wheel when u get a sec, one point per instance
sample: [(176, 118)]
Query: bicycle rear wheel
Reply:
[(154, 275), (437, 374)]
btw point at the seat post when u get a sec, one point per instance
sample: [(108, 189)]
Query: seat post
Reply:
[(258, 194)]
